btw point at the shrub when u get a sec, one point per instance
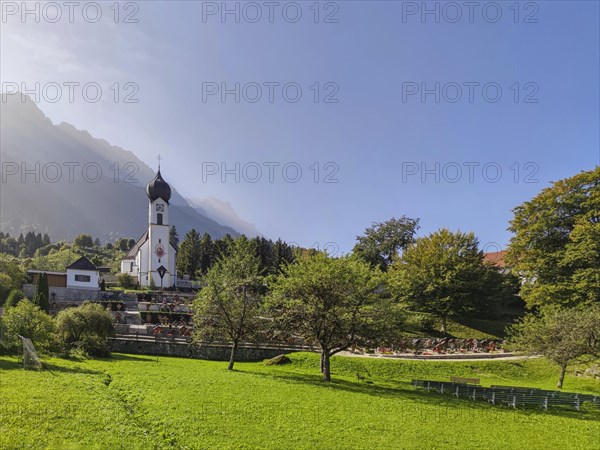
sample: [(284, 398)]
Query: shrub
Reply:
[(86, 327), (15, 296), (125, 281), (29, 321)]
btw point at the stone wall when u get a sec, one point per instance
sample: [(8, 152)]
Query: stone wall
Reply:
[(65, 294), (210, 352)]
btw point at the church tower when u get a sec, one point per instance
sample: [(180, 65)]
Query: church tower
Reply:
[(161, 255)]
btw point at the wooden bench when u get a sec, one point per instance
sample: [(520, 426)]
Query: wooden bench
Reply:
[(516, 390), (462, 380)]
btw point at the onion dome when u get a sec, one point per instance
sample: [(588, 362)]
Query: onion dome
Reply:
[(158, 188)]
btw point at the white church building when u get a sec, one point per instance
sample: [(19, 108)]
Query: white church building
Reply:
[(153, 257)]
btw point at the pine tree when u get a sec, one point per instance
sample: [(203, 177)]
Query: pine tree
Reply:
[(41, 293), (189, 255), (173, 237)]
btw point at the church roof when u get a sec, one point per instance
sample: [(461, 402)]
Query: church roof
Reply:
[(158, 188), (83, 264), (136, 248)]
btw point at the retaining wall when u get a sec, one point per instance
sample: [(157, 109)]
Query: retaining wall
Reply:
[(182, 350)]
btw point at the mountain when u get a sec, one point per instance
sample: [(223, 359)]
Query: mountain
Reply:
[(64, 199), (222, 212)]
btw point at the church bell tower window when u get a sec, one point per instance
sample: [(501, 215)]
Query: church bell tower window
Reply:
[(159, 219)]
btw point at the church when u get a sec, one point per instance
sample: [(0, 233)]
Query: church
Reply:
[(153, 257)]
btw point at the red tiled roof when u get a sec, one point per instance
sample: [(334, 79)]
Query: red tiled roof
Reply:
[(495, 258)]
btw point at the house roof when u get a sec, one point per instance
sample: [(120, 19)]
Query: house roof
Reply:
[(495, 258), (133, 252), (47, 272), (83, 264)]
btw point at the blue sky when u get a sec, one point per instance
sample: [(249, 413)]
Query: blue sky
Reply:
[(370, 136)]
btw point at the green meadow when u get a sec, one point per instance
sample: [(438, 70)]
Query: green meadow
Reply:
[(131, 402)]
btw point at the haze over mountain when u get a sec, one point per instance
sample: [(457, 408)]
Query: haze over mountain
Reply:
[(59, 180), (222, 212)]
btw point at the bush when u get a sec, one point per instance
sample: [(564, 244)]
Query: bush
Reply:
[(86, 327), (15, 296), (29, 321), (125, 281)]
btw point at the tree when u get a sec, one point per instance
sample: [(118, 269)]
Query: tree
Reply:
[(27, 320), (97, 242), (381, 242), (563, 335), (555, 248), (42, 293), (11, 276), (87, 327), (125, 280), (207, 253), (189, 255), (229, 305), (173, 237), (84, 241), (336, 303), (15, 296), (102, 285), (442, 274), (122, 244)]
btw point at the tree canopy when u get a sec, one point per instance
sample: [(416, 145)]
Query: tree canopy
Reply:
[(564, 335), (443, 274), (381, 242), (334, 303), (228, 307), (556, 247)]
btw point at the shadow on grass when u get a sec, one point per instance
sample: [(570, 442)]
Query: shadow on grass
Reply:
[(15, 364), (495, 328), (128, 357), (404, 390)]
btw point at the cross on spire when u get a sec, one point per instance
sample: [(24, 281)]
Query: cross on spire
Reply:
[(159, 160)]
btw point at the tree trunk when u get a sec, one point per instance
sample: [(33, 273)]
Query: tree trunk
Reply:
[(444, 325), (325, 366), (232, 357), (563, 370)]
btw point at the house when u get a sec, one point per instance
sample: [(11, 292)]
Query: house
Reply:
[(83, 274)]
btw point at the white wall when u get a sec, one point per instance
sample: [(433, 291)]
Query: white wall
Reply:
[(92, 284)]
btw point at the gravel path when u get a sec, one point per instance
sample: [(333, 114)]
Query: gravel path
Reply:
[(454, 357)]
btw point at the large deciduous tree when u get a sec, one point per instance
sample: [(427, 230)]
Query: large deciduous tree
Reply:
[(382, 242), (443, 274), (556, 244), (229, 304), (335, 303), (564, 335)]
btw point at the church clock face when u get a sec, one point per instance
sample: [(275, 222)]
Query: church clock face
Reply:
[(159, 250), (160, 208)]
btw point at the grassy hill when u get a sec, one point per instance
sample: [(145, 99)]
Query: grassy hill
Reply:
[(136, 402)]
